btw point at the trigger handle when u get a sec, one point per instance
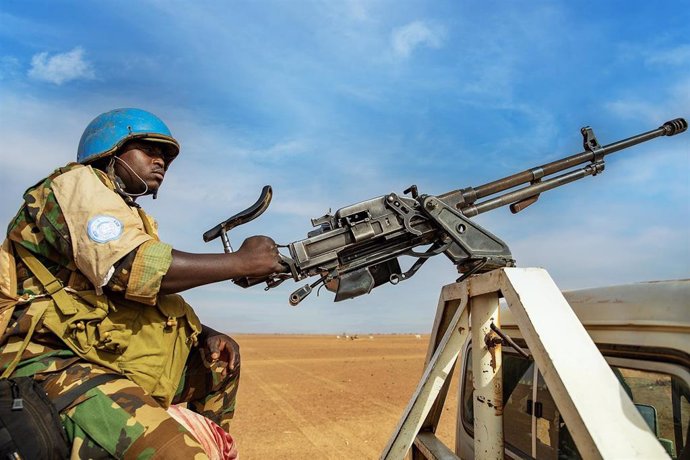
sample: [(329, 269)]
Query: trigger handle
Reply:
[(243, 217)]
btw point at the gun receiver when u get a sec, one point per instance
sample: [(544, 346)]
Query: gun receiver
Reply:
[(357, 247)]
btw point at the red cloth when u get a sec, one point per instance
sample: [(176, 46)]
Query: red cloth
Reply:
[(218, 444)]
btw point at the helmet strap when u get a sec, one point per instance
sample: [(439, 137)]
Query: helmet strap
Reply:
[(119, 184)]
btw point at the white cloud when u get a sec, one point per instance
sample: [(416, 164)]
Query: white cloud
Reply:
[(9, 67), (679, 55), (588, 256), (675, 102), (61, 68), (288, 148), (357, 9), (415, 34), (636, 109)]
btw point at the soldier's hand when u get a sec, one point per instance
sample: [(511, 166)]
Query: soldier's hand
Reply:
[(221, 352), (260, 257)]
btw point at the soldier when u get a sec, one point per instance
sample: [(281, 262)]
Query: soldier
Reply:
[(88, 299)]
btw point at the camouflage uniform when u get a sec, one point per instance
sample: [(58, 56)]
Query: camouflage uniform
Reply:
[(118, 418)]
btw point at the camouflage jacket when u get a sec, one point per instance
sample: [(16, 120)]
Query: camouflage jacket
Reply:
[(40, 226)]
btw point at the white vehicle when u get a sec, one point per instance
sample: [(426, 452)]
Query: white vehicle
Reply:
[(596, 373), (643, 332)]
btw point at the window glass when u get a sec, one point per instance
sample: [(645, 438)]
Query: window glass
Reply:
[(518, 376), (517, 390), (662, 400), (553, 439)]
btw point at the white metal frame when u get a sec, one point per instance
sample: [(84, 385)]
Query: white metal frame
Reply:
[(601, 418)]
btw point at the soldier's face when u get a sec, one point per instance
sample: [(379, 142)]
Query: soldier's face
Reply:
[(145, 160)]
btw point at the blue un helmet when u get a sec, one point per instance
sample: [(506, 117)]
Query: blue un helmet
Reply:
[(109, 131)]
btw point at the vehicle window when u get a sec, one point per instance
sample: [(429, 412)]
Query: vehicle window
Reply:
[(553, 438), (663, 401), (518, 376)]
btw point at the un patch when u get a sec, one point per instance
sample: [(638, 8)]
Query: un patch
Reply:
[(102, 229)]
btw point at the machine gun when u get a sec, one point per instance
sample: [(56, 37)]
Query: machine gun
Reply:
[(358, 246)]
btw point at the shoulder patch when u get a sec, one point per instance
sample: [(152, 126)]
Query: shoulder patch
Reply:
[(102, 229)]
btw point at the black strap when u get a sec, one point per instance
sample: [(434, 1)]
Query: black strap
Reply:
[(64, 400), (8, 448)]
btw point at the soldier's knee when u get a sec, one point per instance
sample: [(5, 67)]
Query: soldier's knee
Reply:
[(123, 420), (181, 445)]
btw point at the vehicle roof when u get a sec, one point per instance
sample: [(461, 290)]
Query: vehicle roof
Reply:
[(652, 303), (648, 321)]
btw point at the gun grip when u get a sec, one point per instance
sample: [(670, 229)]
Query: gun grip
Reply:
[(245, 281), (522, 204), (243, 217)]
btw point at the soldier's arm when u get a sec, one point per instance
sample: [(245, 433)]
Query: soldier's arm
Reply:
[(258, 256), (155, 268)]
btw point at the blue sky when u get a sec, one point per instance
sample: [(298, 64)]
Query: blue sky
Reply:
[(335, 102)]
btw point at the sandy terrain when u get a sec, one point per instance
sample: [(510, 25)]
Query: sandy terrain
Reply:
[(319, 397)]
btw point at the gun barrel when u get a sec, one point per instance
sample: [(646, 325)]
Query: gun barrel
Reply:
[(531, 190), (469, 195)]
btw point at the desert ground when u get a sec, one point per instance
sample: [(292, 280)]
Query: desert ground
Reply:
[(320, 397)]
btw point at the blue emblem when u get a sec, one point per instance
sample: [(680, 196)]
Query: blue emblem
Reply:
[(102, 229)]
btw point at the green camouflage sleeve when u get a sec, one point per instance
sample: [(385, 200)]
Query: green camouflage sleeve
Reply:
[(140, 273)]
